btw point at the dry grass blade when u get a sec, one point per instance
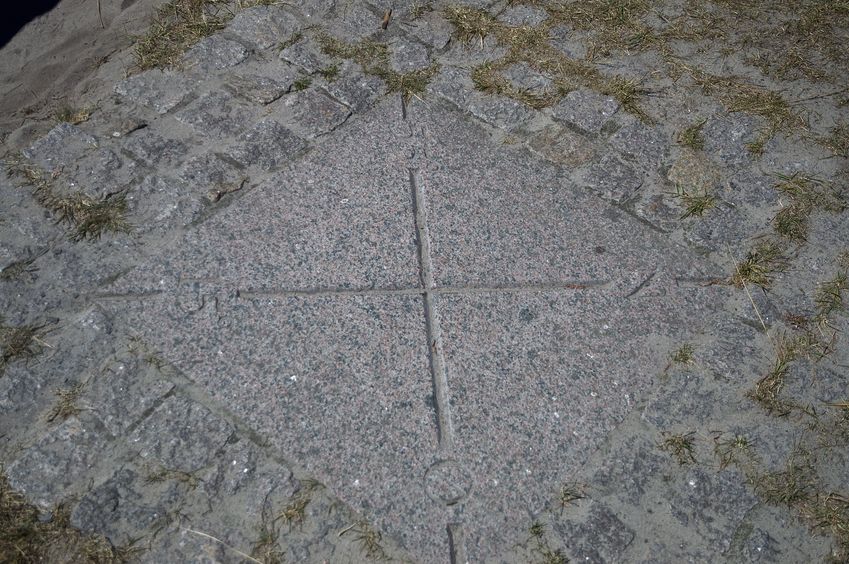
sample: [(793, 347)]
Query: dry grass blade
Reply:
[(759, 265), (178, 25), (680, 446), (24, 538)]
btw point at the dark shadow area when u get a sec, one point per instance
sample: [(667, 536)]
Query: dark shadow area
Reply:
[(20, 14)]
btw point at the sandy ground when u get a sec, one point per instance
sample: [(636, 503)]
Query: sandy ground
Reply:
[(81, 58)]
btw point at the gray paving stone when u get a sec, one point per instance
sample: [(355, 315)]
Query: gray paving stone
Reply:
[(120, 394), (62, 146), (499, 111), (265, 83), (712, 503), (212, 54), (586, 110), (60, 462), (97, 174), (432, 29), (341, 375), (356, 90), (262, 27), (310, 113), (516, 16), (536, 228), (596, 535), (307, 54), (627, 472), (122, 509), (753, 188), (726, 137), (216, 115), (723, 227), (523, 77), (341, 218), (570, 42), (19, 388), (562, 146), (159, 90), (158, 202), (267, 144), (152, 149), (180, 435), (207, 170), (406, 56), (641, 143), (612, 179)]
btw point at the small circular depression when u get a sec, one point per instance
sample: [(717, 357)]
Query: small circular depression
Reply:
[(448, 482)]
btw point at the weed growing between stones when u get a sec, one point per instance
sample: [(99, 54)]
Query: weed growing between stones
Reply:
[(162, 474), (694, 204), (530, 45), (760, 264), (541, 547), (301, 84), (266, 548), (683, 355), (806, 195), (21, 342), (296, 510), (369, 540), (736, 450), (692, 136), (25, 538), (373, 57), (680, 446), (72, 116), (88, 217), (838, 141), (570, 493), (20, 269), (178, 25), (66, 404)]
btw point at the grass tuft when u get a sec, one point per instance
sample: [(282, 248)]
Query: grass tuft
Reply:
[(24, 538), (684, 355), (735, 450), (680, 446), (692, 136), (838, 141), (471, 24), (806, 195), (66, 405), (72, 116), (369, 540), (694, 204), (759, 266), (18, 342), (178, 25), (373, 57)]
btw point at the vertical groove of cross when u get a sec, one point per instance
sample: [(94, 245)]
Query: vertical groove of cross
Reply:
[(434, 334)]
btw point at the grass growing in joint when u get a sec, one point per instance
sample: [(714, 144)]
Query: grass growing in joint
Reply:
[(680, 446), (25, 538), (373, 57), (692, 136), (806, 194), (759, 266), (88, 217), (178, 25), (694, 204), (17, 342)]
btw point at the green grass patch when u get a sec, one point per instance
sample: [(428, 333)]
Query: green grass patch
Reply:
[(806, 194), (24, 538), (681, 446), (373, 57), (760, 265), (692, 136)]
